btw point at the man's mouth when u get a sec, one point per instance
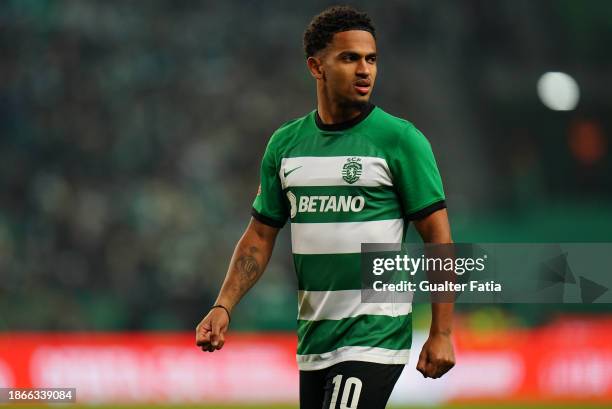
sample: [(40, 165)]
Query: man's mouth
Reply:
[(362, 86)]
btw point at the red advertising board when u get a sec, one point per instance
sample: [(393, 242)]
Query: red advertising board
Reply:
[(568, 360), (147, 367)]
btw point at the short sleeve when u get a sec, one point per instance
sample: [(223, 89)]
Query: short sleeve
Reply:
[(415, 175), (269, 205)]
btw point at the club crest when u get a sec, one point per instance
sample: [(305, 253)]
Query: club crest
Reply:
[(351, 170)]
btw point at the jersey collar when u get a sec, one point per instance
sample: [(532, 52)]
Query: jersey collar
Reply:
[(341, 126)]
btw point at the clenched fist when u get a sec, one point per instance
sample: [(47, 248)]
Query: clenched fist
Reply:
[(210, 331), (437, 356)]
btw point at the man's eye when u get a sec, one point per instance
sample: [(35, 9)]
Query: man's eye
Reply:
[(372, 59)]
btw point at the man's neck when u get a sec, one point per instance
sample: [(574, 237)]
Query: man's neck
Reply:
[(338, 115), (331, 113)]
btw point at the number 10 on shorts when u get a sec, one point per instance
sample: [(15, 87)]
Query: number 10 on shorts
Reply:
[(350, 383)]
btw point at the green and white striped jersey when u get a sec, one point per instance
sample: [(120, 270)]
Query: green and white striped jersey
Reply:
[(343, 185)]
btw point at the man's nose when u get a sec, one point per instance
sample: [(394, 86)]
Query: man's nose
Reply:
[(363, 68)]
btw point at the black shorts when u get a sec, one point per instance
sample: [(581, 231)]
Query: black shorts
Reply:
[(348, 385)]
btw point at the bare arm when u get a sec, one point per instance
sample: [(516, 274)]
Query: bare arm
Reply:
[(247, 264), (437, 356)]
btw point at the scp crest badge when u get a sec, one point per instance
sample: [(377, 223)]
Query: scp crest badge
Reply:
[(351, 170)]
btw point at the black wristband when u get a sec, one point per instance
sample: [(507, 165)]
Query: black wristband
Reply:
[(229, 316)]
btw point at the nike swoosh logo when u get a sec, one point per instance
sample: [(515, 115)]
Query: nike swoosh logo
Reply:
[(292, 170)]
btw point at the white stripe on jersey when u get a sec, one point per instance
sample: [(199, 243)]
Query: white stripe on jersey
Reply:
[(344, 237), (335, 305), (327, 171), (312, 362)]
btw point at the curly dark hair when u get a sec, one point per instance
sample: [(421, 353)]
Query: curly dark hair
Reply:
[(333, 20)]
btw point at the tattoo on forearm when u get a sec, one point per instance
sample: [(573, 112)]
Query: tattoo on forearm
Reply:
[(248, 268)]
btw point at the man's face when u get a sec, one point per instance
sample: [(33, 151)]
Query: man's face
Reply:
[(348, 66)]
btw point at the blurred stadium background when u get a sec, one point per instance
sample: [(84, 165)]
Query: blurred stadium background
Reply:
[(130, 140)]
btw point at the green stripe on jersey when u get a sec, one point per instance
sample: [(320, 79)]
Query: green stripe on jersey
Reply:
[(316, 337), (328, 272)]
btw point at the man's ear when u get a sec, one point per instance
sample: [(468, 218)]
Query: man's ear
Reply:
[(315, 67)]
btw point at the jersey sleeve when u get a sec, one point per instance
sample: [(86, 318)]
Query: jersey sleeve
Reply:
[(269, 205), (416, 176)]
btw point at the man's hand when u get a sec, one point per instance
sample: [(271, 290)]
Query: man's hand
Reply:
[(437, 356), (210, 332)]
